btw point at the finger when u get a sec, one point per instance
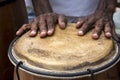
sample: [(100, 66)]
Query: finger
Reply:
[(87, 25), (108, 30), (51, 24), (80, 22), (42, 26), (22, 29), (98, 29), (62, 21), (85, 28), (34, 27)]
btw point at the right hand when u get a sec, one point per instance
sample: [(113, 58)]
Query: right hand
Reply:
[(45, 23)]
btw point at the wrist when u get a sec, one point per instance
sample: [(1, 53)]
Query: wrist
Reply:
[(41, 7)]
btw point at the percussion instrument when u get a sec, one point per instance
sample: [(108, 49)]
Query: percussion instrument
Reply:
[(65, 55)]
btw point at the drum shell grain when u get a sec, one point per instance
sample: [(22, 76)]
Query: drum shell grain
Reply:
[(111, 74), (12, 16)]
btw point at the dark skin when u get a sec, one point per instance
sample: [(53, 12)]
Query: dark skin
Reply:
[(46, 20), (45, 17), (101, 20)]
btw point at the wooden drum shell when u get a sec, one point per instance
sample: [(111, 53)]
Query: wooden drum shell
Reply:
[(111, 74), (12, 16)]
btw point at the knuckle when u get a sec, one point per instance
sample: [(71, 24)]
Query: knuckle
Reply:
[(107, 25), (50, 21), (106, 19), (34, 23), (84, 26), (87, 24), (50, 25), (98, 24), (49, 14), (42, 28), (25, 24), (42, 16), (41, 22), (34, 26), (23, 28), (91, 19), (98, 28)]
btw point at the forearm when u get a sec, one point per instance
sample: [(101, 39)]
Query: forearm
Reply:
[(41, 6), (101, 6), (111, 6), (106, 6)]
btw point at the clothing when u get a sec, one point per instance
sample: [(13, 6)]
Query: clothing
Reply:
[(75, 8), (30, 10)]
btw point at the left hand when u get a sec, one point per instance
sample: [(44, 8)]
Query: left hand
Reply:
[(99, 21)]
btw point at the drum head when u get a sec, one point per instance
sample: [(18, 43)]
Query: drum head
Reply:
[(65, 54)]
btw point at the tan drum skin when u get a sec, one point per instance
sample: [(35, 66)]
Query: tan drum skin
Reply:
[(12, 16), (110, 74)]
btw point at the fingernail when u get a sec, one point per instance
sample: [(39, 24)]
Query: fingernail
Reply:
[(43, 34), (80, 33), (108, 34), (17, 33), (62, 25), (50, 32), (78, 22), (95, 35), (33, 32)]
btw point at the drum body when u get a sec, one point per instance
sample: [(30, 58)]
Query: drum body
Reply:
[(64, 56), (12, 16), (111, 74)]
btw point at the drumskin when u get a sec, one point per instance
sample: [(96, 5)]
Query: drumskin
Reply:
[(63, 51)]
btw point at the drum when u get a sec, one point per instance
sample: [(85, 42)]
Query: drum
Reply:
[(64, 56), (10, 20)]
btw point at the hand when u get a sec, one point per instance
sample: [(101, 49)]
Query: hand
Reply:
[(99, 21), (45, 23)]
